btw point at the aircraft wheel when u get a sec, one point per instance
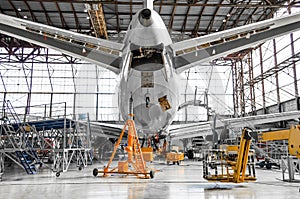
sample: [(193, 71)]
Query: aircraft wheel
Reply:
[(80, 168), (269, 166), (57, 174), (178, 163), (95, 172)]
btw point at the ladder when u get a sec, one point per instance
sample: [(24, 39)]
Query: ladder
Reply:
[(98, 21), (139, 163)]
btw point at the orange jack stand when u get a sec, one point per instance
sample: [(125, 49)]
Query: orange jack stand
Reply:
[(135, 156)]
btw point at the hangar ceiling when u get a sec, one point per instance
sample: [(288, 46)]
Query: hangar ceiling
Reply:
[(182, 17)]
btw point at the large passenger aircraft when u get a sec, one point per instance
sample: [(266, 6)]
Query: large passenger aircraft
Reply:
[(147, 61)]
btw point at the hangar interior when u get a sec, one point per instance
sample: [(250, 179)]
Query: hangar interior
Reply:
[(38, 84)]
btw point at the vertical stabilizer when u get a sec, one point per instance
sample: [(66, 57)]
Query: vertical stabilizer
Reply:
[(148, 4)]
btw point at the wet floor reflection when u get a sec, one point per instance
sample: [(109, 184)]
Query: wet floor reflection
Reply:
[(173, 182)]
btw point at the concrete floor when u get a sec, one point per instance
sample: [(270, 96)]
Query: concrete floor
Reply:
[(172, 181)]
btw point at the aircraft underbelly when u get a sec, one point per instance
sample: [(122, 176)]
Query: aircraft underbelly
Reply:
[(155, 100)]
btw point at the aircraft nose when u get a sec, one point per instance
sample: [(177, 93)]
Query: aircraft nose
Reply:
[(145, 17)]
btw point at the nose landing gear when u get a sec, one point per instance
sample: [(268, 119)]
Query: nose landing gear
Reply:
[(147, 102)]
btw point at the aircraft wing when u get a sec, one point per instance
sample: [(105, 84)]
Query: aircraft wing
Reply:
[(101, 52), (194, 51), (205, 128), (106, 130)]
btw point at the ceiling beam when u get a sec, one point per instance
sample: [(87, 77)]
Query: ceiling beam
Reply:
[(236, 21), (131, 10), (185, 19), (172, 17), (49, 22), (117, 15), (31, 13), (197, 24), (62, 19), (15, 9), (160, 6), (75, 17), (267, 15), (170, 3), (211, 23), (228, 16)]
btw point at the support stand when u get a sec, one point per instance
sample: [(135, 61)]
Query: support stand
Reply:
[(135, 156)]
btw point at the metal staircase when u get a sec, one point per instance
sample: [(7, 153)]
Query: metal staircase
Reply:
[(18, 134), (27, 162)]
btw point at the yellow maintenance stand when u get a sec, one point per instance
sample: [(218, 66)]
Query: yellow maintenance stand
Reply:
[(231, 164), (135, 156), (292, 135), (290, 162)]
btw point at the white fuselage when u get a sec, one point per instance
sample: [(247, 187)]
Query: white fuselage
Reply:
[(148, 75)]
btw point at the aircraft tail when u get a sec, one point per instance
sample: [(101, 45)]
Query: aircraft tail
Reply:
[(148, 4)]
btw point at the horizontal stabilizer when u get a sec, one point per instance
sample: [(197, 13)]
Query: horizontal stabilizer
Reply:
[(94, 50), (206, 48)]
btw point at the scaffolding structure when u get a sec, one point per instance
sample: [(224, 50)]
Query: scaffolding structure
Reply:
[(1, 163), (55, 143), (290, 168), (269, 154), (257, 86)]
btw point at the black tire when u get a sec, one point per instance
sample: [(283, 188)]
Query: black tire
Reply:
[(269, 166), (151, 174), (261, 164), (95, 172), (190, 154), (57, 174), (178, 163), (80, 168)]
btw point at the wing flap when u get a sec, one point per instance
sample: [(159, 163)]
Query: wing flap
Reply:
[(98, 51)]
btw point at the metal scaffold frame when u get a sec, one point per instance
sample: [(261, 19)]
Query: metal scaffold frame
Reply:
[(59, 141), (1, 165), (248, 87), (290, 166)]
